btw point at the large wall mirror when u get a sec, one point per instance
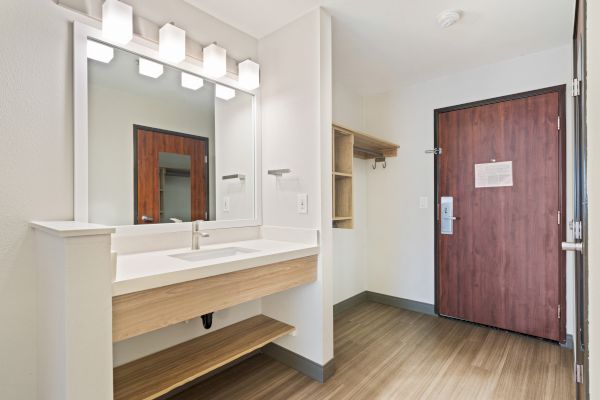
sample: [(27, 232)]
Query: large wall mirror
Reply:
[(166, 145)]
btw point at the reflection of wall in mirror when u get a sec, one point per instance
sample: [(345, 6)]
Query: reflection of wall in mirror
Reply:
[(114, 109), (234, 150)]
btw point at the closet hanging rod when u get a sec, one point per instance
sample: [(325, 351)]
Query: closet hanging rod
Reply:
[(369, 152)]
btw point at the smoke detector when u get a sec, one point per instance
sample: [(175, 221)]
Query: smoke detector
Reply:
[(448, 18)]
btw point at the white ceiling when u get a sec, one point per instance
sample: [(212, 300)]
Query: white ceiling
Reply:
[(378, 44)]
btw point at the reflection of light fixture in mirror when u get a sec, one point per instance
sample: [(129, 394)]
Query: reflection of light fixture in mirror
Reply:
[(150, 68), (100, 52), (249, 74), (117, 21), (171, 43), (215, 61), (224, 92), (191, 81)]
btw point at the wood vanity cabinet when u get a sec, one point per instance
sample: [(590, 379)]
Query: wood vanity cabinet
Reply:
[(148, 310)]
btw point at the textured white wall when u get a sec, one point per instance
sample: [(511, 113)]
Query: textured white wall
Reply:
[(593, 242), (35, 169), (349, 250), (400, 234)]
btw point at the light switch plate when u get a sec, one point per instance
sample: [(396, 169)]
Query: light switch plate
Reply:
[(423, 202), (302, 203), (226, 204)]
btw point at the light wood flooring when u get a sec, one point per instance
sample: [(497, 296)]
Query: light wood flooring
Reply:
[(383, 352)]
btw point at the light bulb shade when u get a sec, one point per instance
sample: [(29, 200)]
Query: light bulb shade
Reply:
[(224, 92), (249, 74), (117, 21), (191, 82), (171, 43), (215, 61), (100, 52), (150, 68)]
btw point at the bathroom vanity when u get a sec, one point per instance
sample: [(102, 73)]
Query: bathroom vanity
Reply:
[(154, 289)]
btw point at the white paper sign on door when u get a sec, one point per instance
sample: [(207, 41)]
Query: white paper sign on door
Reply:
[(496, 174)]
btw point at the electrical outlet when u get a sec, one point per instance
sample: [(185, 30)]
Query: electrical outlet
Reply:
[(423, 202), (302, 203), (226, 204)]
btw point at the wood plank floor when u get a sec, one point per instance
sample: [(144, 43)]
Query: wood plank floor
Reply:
[(383, 352)]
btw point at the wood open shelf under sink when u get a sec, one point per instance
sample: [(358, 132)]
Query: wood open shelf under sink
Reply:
[(157, 374)]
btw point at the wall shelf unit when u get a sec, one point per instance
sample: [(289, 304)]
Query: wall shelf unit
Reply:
[(155, 375), (347, 144)]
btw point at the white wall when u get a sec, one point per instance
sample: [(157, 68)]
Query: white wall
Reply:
[(593, 241), (400, 234), (296, 128), (349, 250), (36, 160), (234, 152)]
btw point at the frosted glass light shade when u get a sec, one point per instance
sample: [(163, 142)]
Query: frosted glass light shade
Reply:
[(224, 92), (249, 74), (191, 81), (150, 68), (100, 52), (171, 43), (117, 21), (215, 61)]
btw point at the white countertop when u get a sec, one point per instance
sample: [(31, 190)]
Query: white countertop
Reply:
[(141, 271)]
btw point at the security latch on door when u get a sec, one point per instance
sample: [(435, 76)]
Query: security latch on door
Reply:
[(436, 151)]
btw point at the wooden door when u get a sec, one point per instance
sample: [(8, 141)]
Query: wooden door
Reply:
[(502, 265), (149, 143)]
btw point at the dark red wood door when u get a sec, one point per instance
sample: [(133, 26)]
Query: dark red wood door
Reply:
[(502, 265), (149, 144)]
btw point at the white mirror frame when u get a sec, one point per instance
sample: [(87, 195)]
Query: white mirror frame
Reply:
[(149, 49)]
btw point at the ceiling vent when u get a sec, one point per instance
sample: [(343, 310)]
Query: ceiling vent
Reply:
[(448, 18)]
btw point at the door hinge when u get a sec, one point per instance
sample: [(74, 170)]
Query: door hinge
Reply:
[(578, 373), (206, 159), (206, 215), (435, 151), (577, 230), (558, 217), (559, 122), (576, 87), (559, 311)]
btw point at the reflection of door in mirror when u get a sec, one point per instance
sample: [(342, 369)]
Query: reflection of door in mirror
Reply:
[(171, 176)]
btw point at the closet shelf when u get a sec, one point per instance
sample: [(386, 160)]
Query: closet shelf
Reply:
[(159, 373), (367, 146)]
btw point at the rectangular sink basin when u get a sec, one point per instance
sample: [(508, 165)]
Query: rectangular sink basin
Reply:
[(200, 255)]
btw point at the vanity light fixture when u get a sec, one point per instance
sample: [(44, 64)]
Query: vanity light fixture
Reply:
[(224, 92), (117, 21), (100, 52), (171, 43), (249, 73), (150, 68), (215, 61), (192, 82)]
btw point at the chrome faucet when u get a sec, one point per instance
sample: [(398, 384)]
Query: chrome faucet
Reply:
[(196, 235)]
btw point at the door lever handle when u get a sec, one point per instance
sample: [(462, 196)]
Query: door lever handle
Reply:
[(569, 246), (146, 218)]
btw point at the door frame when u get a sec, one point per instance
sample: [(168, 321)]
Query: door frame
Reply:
[(205, 139), (561, 90)]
